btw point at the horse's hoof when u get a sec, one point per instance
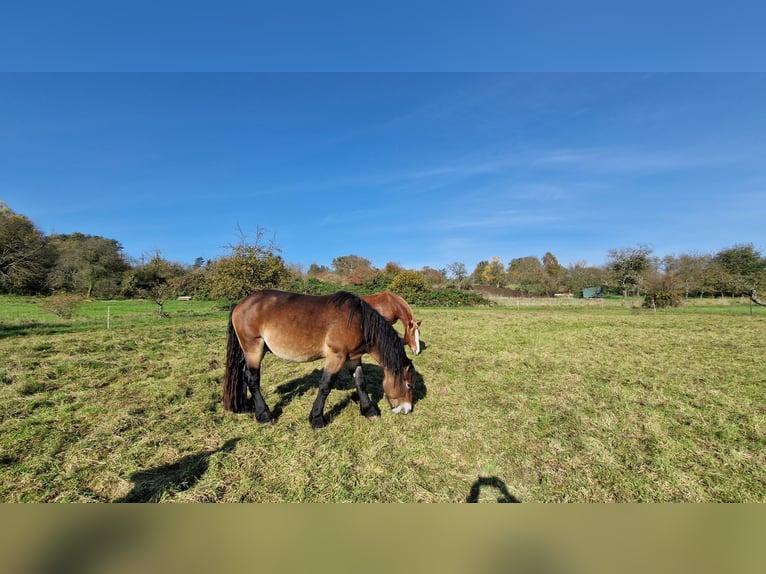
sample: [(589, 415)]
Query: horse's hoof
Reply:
[(372, 413), (266, 419), (318, 423)]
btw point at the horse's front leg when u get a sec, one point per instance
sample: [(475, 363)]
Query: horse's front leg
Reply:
[(366, 406), (316, 416)]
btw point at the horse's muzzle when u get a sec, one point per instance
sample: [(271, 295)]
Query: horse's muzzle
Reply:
[(402, 409)]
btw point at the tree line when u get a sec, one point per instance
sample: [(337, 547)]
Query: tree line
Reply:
[(633, 271), (32, 263)]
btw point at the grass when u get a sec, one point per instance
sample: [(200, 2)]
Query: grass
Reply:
[(580, 403)]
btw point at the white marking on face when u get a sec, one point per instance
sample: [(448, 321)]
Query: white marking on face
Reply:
[(417, 341), (403, 409)]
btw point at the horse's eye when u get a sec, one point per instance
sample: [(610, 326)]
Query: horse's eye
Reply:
[(409, 386)]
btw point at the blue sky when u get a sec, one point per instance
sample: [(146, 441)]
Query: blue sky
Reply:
[(419, 169), (396, 35)]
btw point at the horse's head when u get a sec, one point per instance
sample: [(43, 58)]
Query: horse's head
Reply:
[(412, 335), (398, 389)]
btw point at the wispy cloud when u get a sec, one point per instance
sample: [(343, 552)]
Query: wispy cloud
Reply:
[(506, 218), (624, 160)]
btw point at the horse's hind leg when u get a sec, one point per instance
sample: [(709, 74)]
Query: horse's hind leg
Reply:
[(253, 379), (366, 406)]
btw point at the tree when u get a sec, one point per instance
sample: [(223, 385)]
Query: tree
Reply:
[(156, 280), (316, 270), (432, 276), (346, 265), (457, 271), (554, 273), (580, 275), (479, 271), (690, 271), (745, 267), (527, 274), (494, 273), (25, 254), (662, 289), (249, 267), (628, 265), (392, 269), (87, 264)]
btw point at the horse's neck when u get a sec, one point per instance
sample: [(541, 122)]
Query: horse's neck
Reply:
[(402, 309)]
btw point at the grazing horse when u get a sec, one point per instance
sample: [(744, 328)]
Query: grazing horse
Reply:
[(302, 328), (394, 308)]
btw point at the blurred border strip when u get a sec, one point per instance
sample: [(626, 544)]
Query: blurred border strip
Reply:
[(476, 538)]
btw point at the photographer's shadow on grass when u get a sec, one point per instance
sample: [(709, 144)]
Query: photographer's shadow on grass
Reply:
[(373, 383), (492, 483), (150, 485)]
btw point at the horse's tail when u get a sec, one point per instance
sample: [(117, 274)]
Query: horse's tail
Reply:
[(234, 385)]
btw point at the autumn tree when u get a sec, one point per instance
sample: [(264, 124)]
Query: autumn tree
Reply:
[(527, 274), (432, 276), (554, 274), (392, 269), (492, 272), (352, 268), (478, 271)]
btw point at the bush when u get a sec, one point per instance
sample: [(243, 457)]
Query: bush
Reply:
[(663, 299), (63, 305), (449, 298), (409, 285)]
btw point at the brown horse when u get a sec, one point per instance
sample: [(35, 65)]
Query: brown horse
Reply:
[(301, 328), (394, 308)]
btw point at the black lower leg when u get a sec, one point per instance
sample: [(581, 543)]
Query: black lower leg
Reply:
[(316, 416), (366, 406), (262, 412)]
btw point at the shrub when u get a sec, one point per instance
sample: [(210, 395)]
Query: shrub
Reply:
[(449, 298), (663, 299), (409, 284), (63, 305)]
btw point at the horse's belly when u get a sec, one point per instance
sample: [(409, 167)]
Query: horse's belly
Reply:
[(290, 348)]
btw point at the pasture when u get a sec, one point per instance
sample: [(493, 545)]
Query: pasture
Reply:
[(566, 402)]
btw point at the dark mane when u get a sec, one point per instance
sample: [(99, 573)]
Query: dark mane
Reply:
[(380, 334), (341, 298)]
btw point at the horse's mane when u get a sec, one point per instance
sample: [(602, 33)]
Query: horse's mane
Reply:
[(378, 333), (341, 298)]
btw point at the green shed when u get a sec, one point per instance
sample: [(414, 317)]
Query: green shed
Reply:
[(592, 292)]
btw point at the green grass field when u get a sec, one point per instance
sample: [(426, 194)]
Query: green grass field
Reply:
[(580, 402)]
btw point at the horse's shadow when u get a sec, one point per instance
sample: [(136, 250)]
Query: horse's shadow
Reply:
[(149, 485), (373, 383)]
